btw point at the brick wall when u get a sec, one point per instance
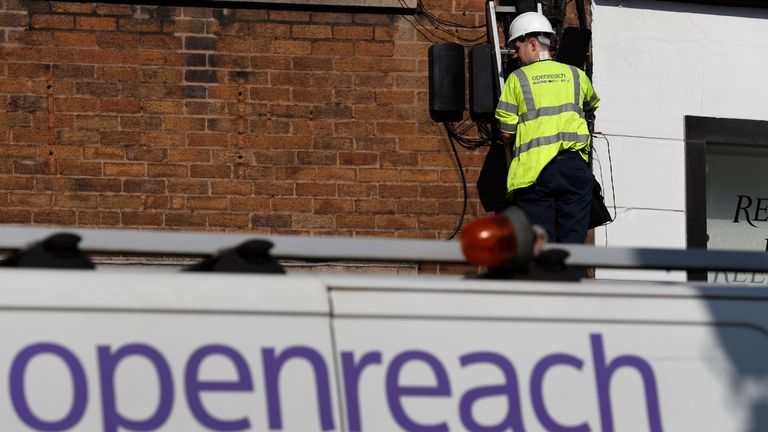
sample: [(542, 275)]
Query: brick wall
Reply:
[(195, 118), (311, 122)]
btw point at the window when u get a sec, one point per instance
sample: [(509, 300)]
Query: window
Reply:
[(727, 189)]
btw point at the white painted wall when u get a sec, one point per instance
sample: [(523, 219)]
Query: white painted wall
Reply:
[(654, 63)]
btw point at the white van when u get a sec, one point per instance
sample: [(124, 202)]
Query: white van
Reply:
[(125, 350)]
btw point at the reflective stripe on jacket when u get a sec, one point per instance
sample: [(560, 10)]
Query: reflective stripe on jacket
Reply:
[(544, 105)]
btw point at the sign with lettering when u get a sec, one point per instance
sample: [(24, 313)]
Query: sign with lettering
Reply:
[(129, 351), (737, 204)]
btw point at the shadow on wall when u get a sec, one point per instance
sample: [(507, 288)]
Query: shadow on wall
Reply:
[(734, 8), (742, 330)]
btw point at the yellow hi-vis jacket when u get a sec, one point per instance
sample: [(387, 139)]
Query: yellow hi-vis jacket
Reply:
[(544, 104)]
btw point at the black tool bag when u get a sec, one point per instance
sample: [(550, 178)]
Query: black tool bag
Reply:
[(598, 213)]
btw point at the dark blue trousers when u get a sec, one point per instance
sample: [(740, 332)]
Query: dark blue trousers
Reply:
[(560, 199)]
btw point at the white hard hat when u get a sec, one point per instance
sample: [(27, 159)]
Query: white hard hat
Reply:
[(529, 22)]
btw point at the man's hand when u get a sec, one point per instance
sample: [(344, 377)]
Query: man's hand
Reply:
[(507, 138)]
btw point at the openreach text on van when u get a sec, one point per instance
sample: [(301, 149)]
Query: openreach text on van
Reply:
[(352, 365)]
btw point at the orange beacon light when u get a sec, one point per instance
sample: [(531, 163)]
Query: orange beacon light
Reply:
[(502, 239)]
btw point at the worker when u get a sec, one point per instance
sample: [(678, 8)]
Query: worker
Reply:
[(542, 116)]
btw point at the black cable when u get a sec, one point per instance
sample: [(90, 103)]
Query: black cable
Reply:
[(432, 17), (610, 169), (463, 182), (439, 25), (459, 131)]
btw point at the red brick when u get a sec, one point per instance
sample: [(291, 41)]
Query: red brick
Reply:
[(210, 171), (316, 190), (336, 174), (299, 205), (54, 217), (353, 32), (273, 188), (17, 183), (144, 186), (97, 218), (75, 39), (419, 175), (185, 219), (189, 155), (375, 113), (357, 190), (79, 138), (95, 23), (120, 201), (376, 206), (68, 7), (97, 122), (397, 129), (156, 202), (355, 221), (399, 159), (311, 31), (167, 170), (141, 218), (439, 191), (332, 48), (418, 144), (271, 62), (162, 107), (207, 203), (145, 154), (293, 47), (185, 186), (310, 221), (163, 139), (227, 187), (80, 168), (295, 173), (242, 203), (390, 222), (421, 206), (28, 166), (271, 220), (436, 222), (113, 9), (53, 21), (77, 105), (86, 184), (80, 201), (185, 124), (120, 106), (378, 175), (25, 199), (124, 169), (18, 152), (398, 191), (139, 25), (354, 128), (333, 206), (15, 216), (374, 49), (229, 220)]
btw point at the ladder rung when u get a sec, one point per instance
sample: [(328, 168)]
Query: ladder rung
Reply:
[(505, 9)]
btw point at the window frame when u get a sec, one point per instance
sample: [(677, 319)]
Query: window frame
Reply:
[(699, 131)]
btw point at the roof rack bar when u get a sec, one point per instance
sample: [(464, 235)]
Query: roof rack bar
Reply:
[(663, 259), (201, 243), (121, 241)]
